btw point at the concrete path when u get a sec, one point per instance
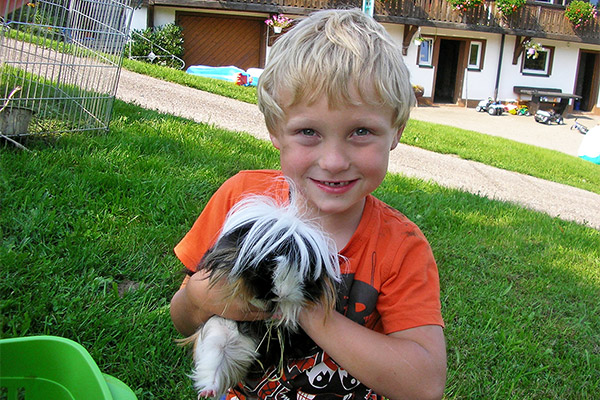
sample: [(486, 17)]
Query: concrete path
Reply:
[(554, 199)]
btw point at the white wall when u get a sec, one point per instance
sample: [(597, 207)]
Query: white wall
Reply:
[(162, 16), (477, 84), (562, 76), (564, 68), (138, 20), (481, 84), (166, 15)]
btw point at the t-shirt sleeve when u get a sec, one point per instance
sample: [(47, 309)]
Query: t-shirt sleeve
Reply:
[(410, 291)]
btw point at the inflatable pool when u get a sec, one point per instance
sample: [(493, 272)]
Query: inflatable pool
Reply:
[(228, 73)]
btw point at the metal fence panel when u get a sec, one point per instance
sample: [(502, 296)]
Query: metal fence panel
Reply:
[(60, 62)]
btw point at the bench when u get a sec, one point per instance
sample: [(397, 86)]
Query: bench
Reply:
[(530, 89), (545, 98)]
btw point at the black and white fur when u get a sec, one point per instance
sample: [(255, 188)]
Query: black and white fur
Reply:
[(276, 261)]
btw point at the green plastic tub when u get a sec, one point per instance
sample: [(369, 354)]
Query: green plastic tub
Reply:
[(50, 367)]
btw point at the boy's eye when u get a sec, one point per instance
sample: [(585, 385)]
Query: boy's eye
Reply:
[(362, 132), (308, 132)]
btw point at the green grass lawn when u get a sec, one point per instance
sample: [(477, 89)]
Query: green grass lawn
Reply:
[(88, 224)]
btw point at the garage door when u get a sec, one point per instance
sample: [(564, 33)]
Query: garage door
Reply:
[(222, 40)]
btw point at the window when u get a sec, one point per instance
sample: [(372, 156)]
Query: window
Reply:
[(426, 52), (540, 65), (475, 53)]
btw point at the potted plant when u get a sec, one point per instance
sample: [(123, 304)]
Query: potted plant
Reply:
[(507, 7), (278, 22), (532, 49), (465, 5), (580, 12), (418, 90), (14, 121)]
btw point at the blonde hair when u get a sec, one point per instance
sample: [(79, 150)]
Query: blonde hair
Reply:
[(331, 52)]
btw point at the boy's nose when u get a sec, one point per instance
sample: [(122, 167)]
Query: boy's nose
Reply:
[(334, 159)]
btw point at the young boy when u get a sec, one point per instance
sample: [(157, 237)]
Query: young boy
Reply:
[(336, 96)]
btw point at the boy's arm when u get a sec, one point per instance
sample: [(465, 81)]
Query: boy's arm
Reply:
[(409, 364), (196, 301)]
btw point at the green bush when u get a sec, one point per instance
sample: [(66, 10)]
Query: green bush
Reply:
[(157, 45)]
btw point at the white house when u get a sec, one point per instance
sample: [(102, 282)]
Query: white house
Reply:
[(459, 58)]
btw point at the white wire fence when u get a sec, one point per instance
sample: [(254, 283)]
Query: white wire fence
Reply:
[(60, 62)]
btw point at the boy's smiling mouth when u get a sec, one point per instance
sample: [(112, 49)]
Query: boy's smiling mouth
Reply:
[(335, 184)]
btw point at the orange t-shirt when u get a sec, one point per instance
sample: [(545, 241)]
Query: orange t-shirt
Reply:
[(390, 278)]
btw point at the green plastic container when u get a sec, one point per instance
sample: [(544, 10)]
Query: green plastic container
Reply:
[(50, 367)]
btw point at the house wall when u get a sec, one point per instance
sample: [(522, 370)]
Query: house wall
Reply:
[(164, 15), (481, 84), (476, 84), (418, 76), (562, 75), (139, 18), (212, 37)]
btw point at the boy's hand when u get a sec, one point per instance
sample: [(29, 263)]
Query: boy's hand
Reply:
[(215, 298), (197, 301)]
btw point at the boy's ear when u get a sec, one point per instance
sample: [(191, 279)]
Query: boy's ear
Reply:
[(397, 137), (275, 140)]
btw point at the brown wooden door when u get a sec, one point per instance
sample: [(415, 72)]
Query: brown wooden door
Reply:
[(222, 40)]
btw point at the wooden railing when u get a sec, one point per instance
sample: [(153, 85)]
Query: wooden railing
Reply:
[(534, 19)]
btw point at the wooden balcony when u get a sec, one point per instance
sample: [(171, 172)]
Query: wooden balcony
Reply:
[(534, 19), (538, 20)]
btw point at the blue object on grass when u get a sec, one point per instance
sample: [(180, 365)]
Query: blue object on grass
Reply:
[(228, 73), (224, 73)]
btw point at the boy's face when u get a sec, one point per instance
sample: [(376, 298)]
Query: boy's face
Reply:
[(336, 157)]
